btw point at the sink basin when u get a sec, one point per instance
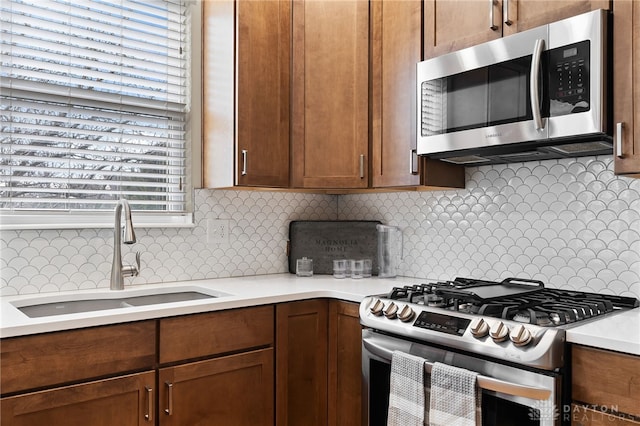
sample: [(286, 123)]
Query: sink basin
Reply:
[(100, 304)]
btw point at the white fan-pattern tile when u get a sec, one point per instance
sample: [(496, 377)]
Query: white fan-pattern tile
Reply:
[(50, 261), (570, 223)]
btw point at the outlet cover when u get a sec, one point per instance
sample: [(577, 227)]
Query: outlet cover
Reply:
[(217, 231)]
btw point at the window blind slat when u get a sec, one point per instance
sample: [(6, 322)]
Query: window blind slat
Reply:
[(93, 96)]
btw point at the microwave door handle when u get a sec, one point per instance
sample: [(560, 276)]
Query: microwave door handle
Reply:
[(484, 382), (534, 84)]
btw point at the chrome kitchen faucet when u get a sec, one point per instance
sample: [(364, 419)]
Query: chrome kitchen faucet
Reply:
[(118, 272)]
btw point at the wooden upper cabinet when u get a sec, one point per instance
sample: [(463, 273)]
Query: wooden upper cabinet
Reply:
[(451, 25), (521, 15), (263, 56), (626, 87), (246, 85), (396, 47), (330, 108)]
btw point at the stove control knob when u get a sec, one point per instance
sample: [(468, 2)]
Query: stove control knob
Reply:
[(405, 314), (479, 328), (391, 311), (520, 336), (499, 332), (377, 307)]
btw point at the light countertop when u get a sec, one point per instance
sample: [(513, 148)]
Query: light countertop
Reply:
[(241, 292), (619, 332)]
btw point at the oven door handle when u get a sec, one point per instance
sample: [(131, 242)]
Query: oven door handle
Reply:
[(484, 382)]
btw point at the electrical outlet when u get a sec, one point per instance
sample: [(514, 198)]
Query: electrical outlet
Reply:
[(217, 231)]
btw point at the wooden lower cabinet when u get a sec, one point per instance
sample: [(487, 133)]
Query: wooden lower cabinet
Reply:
[(345, 364), (232, 390), (605, 387), (301, 363), (122, 401), (318, 363)]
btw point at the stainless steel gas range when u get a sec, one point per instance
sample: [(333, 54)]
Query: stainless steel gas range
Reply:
[(512, 333)]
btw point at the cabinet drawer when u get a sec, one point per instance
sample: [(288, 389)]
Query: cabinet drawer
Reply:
[(605, 378), (201, 335), (122, 401), (43, 360)]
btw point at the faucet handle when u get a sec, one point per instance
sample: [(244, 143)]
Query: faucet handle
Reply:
[(132, 270)]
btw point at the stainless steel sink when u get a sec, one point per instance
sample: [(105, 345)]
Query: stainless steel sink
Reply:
[(90, 305)]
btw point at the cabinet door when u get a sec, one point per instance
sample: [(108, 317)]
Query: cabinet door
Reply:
[(301, 363), (521, 15), (232, 390), (345, 364), (330, 107), (122, 401), (607, 379), (626, 87), (263, 63), (396, 42), (451, 25)]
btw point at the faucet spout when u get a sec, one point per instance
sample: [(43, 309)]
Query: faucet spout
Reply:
[(118, 272)]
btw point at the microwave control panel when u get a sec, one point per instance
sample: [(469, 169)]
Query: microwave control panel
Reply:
[(569, 78)]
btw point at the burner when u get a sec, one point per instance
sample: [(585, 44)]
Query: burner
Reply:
[(531, 316)]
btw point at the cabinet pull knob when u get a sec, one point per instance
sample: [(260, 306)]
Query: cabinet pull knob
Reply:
[(244, 162), (505, 12), (169, 409), (619, 130), (492, 26), (413, 161), (361, 166), (149, 414)]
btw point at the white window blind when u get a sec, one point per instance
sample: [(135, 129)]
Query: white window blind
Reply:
[(93, 105)]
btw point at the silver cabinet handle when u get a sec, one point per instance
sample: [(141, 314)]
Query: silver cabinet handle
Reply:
[(619, 129), (244, 162), (492, 26), (361, 166), (169, 409), (149, 414), (413, 161), (505, 12), (534, 84)]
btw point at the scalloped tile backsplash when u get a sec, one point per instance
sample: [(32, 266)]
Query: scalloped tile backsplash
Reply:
[(570, 223)]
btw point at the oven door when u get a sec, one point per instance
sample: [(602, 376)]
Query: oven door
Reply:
[(510, 395)]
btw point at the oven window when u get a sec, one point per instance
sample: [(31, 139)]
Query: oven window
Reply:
[(379, 387), (500, 412)]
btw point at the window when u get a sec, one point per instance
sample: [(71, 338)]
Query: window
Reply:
[(94, 107)]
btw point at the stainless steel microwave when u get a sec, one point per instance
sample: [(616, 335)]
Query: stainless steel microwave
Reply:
[(533, 95)]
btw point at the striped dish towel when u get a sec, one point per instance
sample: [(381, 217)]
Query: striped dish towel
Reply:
[(406, 396), (454, 396)]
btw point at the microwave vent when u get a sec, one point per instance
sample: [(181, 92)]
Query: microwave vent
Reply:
[(467, 159), (525, 156), (583, 147)]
